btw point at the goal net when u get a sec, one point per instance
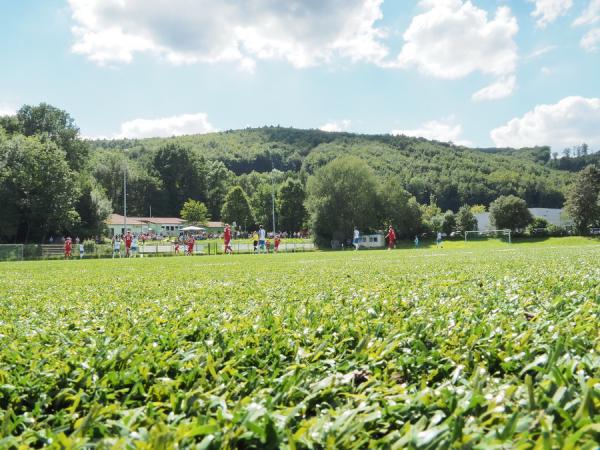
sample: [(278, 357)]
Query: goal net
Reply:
[(501, 235), (11, 252)]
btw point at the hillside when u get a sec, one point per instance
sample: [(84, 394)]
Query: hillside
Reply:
[(455, 175)]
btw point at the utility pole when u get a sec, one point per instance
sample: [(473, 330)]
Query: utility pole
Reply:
[(125, 200), (272, 192), (273, 202)]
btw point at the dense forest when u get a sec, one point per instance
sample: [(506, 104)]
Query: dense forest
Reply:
[(454, 175), (53, 181)]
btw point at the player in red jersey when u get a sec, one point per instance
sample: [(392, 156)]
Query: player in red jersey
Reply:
[(391, 237), (128, 240), (68, 248), (227, 239), (190, 245), (277, 242)]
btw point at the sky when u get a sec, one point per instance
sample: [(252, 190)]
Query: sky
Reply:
[(475, 72)]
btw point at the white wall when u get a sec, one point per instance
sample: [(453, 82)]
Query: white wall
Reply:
[(553, 216)]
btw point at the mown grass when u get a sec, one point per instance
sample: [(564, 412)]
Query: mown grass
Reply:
[(477, 347)]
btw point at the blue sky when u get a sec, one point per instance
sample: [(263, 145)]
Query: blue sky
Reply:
[(479, 72)]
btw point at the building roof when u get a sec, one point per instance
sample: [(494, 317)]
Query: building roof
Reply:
[(162, 220), (117, 219), (215, 224)]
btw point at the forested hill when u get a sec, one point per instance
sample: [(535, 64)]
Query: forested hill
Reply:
[(455, 175)]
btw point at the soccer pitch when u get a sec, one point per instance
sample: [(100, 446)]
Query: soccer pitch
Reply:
[(470, 345)]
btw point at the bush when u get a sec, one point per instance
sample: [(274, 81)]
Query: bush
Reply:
[(510, 212)]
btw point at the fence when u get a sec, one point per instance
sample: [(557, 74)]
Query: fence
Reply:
[(18, 252)]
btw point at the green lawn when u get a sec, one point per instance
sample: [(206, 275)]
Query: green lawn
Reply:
[(469, 346)]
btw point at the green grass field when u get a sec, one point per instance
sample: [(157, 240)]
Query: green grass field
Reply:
[(471, 346)]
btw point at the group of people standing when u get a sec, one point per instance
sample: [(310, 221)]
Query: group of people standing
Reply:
[(129, 241), (68, 248), (261, 244), (390, 237)]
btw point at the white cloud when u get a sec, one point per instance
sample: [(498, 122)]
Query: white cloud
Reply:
[(591, 41), (569, 122), (444, 130), (336, 126), (541, 51), (7, 110), (547, 11), (546, 71), (165, 127), (590, 15), (454, 38), (303, 33), (502, 88)]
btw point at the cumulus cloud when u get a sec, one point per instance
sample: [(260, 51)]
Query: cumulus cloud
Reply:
[(502, 88), (590, 15), (444, 130), (591, 40), (454, 38), (569, 122), (7, 110), (547, 11), (165, 127), (336, 126), (303, 33)]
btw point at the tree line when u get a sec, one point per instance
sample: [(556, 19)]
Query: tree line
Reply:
[(53, 181)]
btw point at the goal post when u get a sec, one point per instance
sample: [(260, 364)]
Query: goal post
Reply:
[(494, 234), (11, 252)]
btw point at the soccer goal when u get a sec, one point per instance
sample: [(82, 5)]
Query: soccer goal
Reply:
[(504, 235), (11, 252)]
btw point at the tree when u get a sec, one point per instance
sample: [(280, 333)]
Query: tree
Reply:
[(585, 149), (401, 209), (262, 205), (38, 190), (183, 175), (237, 208), (431, 210), (290, 206), (219, 178), (478, 209), (341, 195), (194, 212), (448, 222), (93, 208), (59, 126), (510, 212), (583, 197), (465, 219)]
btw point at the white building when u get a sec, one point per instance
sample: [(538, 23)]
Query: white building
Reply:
[(167, 226), (554, 216)]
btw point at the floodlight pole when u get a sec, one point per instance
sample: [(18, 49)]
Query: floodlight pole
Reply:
[(272, 194), (125, 200)]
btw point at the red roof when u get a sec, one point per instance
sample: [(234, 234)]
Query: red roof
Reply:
[(215, 224), (117, 219), (162, 220)]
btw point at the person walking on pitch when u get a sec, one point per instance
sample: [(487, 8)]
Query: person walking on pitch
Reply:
[(356, 240), (391, 237), (134, 246), (116, 246), (68, 248), (128, 240), (262, 236), (227, 240)]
